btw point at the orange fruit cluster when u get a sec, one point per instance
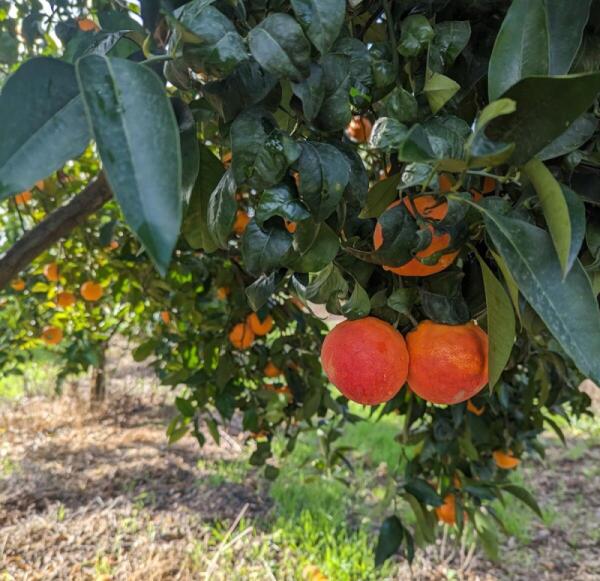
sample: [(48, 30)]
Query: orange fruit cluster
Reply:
[(368, 360), (242, 335)]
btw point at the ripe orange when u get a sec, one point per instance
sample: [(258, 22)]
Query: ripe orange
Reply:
[(471, 407), (23, 198), (241, 221), (113, 245), (52, 335), (428, 207), (448, 363), (241, 336), (51, 271), (505, 460), (259, 327), (359, 129), (226, 159), (366, 360), (447, 512), (166, 317), (40, 185), (271, 370), (223, 292), (87, 25), (65, 299), (18, 285), (445, 183), (488, 186), (290, 226), (91, 291)]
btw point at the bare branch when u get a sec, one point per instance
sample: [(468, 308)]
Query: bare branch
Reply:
[(55, 226)]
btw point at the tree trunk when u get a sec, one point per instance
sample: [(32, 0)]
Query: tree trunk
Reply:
[(98, 393)]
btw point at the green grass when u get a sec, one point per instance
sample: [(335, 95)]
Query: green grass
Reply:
[(38, 378)]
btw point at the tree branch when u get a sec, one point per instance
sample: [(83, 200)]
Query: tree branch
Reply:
[(55, 226)]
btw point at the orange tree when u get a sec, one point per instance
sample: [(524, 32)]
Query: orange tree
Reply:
[(427, 170)]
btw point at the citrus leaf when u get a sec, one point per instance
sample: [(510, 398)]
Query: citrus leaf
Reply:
[(145, 179), (263, 250), (574, 137), (321, 20), (500, 323), (439, 89), (568, 307), (390, 539), (524, 496), (563, 210), (42, 123), (521, 47), (380, 196)]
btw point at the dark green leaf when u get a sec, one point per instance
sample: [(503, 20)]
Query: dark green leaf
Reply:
[(321, 20), (401, 105), (524, 496), (145, 179), (446, 309), (450, 39), (416, 33), (311, 91), (280, 200), (195, 226), (42, 123), (387, 134), (423, 492), (400, 238), (390, 539), (263, 250), (546, 107), (325, 284), (567, 306), (574, 137), (185, 407), (335, 113), (279, 45), (261, 152), (500, 323), (144, 350), (402, 300), (315, 246), (324, 173), (521, 47), (358, 305), (261, 290), (222, 207), (380, 196)]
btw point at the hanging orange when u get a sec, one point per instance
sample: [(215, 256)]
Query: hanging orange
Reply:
[(166, 317), (505, 460), (23, 198), (52, 335), (447, 511), (223, 292), (91, 291), (65, 299), (259, 327), (241, 221), (241, 336), (51, 271), (18, 285), (271, 370)]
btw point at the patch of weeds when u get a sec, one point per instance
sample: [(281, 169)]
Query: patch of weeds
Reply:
[(60, 513), (8, 467), (221, 471)]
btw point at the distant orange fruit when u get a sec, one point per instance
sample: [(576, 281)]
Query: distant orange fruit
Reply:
[(428, 207), (65, 299), (359, 129), (166, 317), (52, 335), (241, 221), (489, 185), (51, 271), (259, 327), (241, 336), (447, 511), (23, 198), (87, 25), (445, 183), (40, 185), (448, 363), (223, 292), (226, 159), (505, 460), (113, 245), (471, 407), (91, 291), (18, 285), (290, 226), (271, 370), (366, 359)]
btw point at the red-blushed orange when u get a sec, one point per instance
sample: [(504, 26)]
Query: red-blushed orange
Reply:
[(366, 360)]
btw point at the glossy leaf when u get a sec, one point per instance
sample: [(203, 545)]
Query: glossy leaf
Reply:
[(524, 496), (546, 106), (281, 201), (311, 92), (42, 123), (358, 305), (387, 134), (390, 539), (315, 246), (532, 261), (580, 131), (563, 210), (521, 47), (145, 179), (222, 207), (260, 291), (380, 196), (279, 45), (263, 249), (500, 323), (423, 491), (195, 226), (321, 20), (438, 90), (451, 37)]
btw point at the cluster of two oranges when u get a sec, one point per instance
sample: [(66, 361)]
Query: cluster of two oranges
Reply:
[(242, 335)]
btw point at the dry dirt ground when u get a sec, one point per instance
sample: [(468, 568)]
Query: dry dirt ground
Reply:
[(101, 496)]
